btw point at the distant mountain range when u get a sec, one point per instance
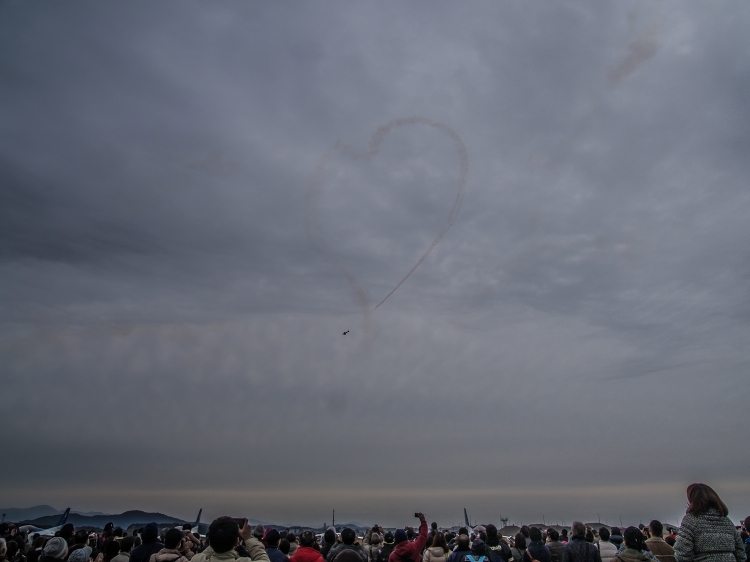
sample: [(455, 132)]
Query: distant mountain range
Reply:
[(98, 521), (34, 512)]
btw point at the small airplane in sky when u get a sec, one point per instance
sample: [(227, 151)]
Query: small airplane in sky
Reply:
[(345, 333), (32, 530)]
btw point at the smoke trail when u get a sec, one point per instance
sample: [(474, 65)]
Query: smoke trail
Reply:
[(321, 176)]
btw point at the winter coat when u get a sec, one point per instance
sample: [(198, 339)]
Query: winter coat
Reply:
[(275, 555), (630, 555), (254, 548), (434, 554), (660, 549), (607, 550), (122, 557), (458, 555), (708, 537), (538, 551), (144, 552), (168, 555), (555, 550), (616, 540), (341, 547), (517, 554), (306, 554), (578, 550), (406, 550), (293, 546)]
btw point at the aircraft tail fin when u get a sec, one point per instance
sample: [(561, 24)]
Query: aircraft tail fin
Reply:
[(63, 518), (198, 519), (466, 518)]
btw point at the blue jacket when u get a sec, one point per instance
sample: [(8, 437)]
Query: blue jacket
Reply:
[(539, 551)]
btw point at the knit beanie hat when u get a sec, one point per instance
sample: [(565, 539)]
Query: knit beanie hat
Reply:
[(477, 547), (56, 547), (80, 555), (400, 536), (388, 538)]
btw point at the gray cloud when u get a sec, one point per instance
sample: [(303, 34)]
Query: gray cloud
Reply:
[(171, 338)]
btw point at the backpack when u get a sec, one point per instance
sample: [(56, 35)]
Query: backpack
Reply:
[(384, 552)]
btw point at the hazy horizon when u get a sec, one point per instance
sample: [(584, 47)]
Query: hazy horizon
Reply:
[(197, 200)]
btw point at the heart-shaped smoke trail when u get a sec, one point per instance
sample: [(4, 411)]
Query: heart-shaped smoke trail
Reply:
[(321, 176)]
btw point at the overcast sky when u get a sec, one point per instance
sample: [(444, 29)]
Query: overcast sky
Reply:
[(191, 215)]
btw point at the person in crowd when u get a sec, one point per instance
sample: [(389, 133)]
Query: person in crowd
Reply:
[(271, 540), (284, 547), (577, 549), (384, 553), (518, 550), (105, 535), (405, 550), (564, 536), (191, 544), (80, 539), (706, 533), (126, 547), (54, 550), (635, 543), (111, 549), (150, 544), (463, 547), (224, 535), (307, 551), (3, 546), (372, 544), (747, 540), (496, 548), (35, 553), (657, 545), (478, 548), (554, 545), (174, 541), (615, 537), (348, 542), (607, 550), (537, 550), (438, 551), (329, 539), (293, 544)]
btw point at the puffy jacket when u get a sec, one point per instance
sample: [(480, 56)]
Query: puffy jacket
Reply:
[(538, 551), (631, 555), (306, 554), (708, 537), (341, 547), (434, 554), (254, 548), (275, 555), (556, 548), (607, 550), (578, 550), (406, 550)]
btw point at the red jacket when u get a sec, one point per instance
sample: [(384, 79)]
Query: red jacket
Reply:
[(406, 550), (306, 554)]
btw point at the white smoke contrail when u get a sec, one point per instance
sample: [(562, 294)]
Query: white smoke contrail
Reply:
[(321, 176)]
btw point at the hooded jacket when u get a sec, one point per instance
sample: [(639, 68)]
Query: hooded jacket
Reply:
[(406, 551), (608, 550), (631, 555), (660, 549), (254, 548)]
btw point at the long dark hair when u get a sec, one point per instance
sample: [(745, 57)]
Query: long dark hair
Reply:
[(439, 540), (702, 497)]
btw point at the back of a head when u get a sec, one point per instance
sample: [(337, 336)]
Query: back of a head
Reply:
[(589, 535), (433, 526), (329, 536), (223, 534), (463, 542), (399, 536), (535, 534), (307, 538), (284, 546), (525, 531), (118, 532), (702, 497), (410, 534), (604, 533), (615, 531), (634, 538), (67, 531), (520, 541), (553, 534), (126, 544), (375, 538), (3, 546), (173, 538), (491, 531), (578, 529), (656, 528), (81, 537), (747, 523), (348, 535), (463, 531), (291, 537), (56, 547), (477, 547), (150, 533), (111, 549), (273, 537)]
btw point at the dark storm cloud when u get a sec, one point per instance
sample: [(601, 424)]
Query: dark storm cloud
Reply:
[(565, 349)]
